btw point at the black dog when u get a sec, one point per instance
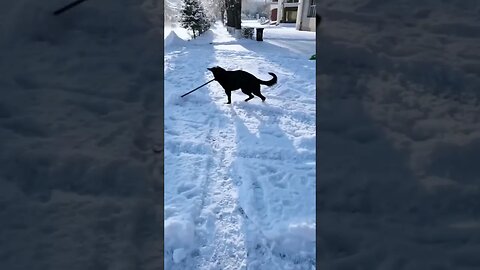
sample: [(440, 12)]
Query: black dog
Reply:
[(239, 79)]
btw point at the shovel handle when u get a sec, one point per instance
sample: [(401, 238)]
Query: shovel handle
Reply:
[(67, 7), (198, 87)]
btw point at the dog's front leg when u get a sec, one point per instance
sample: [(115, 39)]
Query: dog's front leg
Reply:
[(229, 96)]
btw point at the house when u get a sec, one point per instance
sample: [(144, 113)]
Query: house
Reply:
[(306, 17), (284, 10), (300, 12)]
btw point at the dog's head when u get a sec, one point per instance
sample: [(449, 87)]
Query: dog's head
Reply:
[(216, 70)]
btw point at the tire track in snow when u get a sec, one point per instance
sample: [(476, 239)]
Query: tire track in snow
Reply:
[(219, 239), (225, 247)]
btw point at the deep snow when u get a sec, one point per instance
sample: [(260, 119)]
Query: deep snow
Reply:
[(399, 134), (80, 107), (240, 178)]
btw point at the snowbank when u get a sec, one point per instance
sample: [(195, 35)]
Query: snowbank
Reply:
[(180, 233), (172, 39)]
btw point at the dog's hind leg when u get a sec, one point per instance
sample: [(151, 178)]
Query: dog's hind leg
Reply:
[(257, 93), (246, 92), (249, 97)]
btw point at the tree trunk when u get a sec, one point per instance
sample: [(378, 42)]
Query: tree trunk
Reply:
[(238, 14), (228, 4), (222, 14)]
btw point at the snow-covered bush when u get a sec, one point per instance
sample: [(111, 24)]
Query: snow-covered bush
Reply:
[(247, 32)]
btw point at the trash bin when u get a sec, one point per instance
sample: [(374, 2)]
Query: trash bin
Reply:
[(259, 34)]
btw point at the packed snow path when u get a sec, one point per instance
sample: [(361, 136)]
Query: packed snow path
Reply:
[(239, 178)]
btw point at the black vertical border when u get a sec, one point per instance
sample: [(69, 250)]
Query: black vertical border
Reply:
[(317, 129), (162, 155)]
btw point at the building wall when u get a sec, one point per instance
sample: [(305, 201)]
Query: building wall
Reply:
[(284, 7), (280, 10), (304, 22)]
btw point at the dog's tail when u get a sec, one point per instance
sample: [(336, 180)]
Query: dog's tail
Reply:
[(271, 82)]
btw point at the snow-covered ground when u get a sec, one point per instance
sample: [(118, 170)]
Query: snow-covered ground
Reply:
[(239, 178), (80, 108), (399, 134)]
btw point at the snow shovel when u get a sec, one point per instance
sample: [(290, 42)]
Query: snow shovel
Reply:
[(67, 7), (198, 87)]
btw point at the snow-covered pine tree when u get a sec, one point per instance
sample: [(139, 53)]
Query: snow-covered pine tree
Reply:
[(204, 20), (214, 9), (193, 17)]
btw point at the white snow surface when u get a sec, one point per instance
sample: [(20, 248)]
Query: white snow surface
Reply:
[(239, 178), (399, 134), (80, 107)]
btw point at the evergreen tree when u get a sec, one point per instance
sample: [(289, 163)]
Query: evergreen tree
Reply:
[(214, 9), (194, 17), (204, 20)]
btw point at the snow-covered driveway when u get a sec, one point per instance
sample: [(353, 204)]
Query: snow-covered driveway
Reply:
[(239, 178)]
